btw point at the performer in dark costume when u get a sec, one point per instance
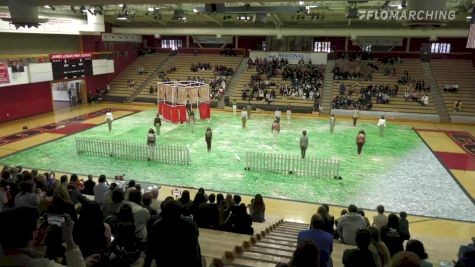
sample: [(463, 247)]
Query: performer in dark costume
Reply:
[(151, 138), (208, 137), (157, 123), (188, 106), (360, 141), (303, 143)]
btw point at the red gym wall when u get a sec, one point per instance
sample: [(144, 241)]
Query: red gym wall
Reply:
[(25, 100), (124, 54)]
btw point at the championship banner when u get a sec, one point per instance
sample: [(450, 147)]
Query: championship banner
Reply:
[(4, 77)]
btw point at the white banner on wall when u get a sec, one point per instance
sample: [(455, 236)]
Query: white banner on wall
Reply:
[(117, 37), (292, 57), (204, 39)]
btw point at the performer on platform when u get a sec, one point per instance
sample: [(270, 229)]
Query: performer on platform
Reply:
[(356, 115), (157, 123), (381, 125), (208, 138), (276, 130), (332, 123), (234, 107), (244, 117), (303, 144), (151, 138), (188, 106), (289, 112), (360, 141), (109, 119)]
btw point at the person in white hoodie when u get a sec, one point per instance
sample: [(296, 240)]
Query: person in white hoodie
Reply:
[(109, 119), (349, 224), (381, 125)]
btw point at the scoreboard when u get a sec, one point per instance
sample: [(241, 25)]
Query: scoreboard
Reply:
[(71, 66)]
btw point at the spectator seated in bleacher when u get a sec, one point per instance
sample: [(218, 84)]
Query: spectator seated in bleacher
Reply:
[(417, 247), (141, 70), (200, 66), (458, 106), (466, 255), (228, 52), (392, 236), (223, 71), (349, 224), (424, 100), (361, 256), (451, 88), (322, 240), (257, 209)]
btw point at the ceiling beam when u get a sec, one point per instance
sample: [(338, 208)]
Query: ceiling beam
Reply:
[(266, 31), (212, 19)]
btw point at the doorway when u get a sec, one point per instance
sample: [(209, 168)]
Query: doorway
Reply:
[(67, 93)]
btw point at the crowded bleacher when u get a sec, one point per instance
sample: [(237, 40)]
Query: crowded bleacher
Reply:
[(118, 223)]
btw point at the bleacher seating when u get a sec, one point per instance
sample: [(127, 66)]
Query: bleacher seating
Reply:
[(279, 101), (149, 62), (456, 72), (396, 103), (183, 62)]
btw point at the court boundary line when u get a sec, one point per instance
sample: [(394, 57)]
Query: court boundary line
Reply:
[(64, 136), (472, 199)]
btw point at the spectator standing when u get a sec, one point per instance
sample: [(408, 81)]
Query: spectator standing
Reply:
[(89, 186), (380, 220), (404, 225), (100, 189)]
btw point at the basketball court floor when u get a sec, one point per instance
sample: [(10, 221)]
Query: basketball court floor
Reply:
[(425, 169)]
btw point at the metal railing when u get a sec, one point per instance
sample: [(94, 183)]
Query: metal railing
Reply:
[(292, 165), (132, 151)]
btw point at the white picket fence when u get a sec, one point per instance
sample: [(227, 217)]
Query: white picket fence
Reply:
[(293, 165), (132, 151)]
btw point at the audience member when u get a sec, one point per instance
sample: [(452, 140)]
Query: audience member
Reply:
[(328, 220), (89, 186), (320, 238), (380, 220), (404, 225), (181, 237), (147, 203), (186, 202), (391, 236), (19, 227), (405, 259), (26, 197), (117, 200), (349, 224), (306, 255), (257, 209), (100, 189), (92, 235), (378, 247), (417, 247), (141, 215), (360, 256)]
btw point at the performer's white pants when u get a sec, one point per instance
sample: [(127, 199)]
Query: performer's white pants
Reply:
[(276, 136), (289, 112), (234, 109)]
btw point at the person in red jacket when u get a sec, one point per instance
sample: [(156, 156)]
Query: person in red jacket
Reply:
[(360, 141)]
